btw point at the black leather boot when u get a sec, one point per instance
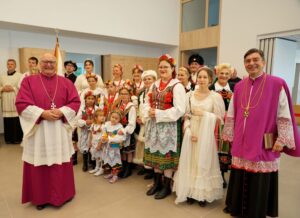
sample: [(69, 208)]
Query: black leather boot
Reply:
[(157, 184), (85, 161), (122, 171), (127, 171), (74, 158), (149, 174), (166, 190)]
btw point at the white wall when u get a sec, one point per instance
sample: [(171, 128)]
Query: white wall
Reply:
[(144, 20), (243, 21)]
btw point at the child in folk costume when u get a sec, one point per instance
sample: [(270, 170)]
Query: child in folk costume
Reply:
[(138, 84), (112, 140), (198, 176), (85, 120), (112, 96), (96, 150), (129, 123), (100, 93), (148, 77)]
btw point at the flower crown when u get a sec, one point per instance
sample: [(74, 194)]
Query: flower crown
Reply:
[(91, 75), (117, 111), (109, 82), (119, 66), (137, 66), (89, 93), (168, 58)]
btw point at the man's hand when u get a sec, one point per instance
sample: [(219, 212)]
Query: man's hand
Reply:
[(49, 115), (57, 112), (7, 88), (277, 148)]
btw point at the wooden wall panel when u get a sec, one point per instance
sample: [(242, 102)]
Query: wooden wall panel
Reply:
[(127, 62), (198, 39), (25, 53)]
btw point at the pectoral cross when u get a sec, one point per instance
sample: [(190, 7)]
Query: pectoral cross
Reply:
[(53, 106)]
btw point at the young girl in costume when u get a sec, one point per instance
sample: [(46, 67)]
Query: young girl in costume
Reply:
[(138, 84), (98, 92), (85, 120), (112, 96), (112, 140), (96, 150), (198, 176), (129, 123)]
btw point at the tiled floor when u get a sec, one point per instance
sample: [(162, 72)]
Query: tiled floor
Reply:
[(97, 198)]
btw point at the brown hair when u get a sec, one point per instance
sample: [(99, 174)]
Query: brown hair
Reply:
[(254, 50), (89, 61), (12, 60), (208, 71), (98, 112)]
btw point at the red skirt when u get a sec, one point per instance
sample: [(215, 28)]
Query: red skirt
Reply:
[(48, 184)]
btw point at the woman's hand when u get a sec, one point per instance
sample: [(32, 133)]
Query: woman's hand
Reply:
[(152, 113), (194, 138)]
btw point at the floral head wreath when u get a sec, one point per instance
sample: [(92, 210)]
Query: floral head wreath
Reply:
[(171, 61), (168, 58), (92, 75), (109, 82), (139, 67), (100, 111), (128, 85), (89, 93), (118, 66), (117, 111)]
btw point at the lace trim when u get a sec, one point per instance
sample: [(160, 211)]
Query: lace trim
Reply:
[(285, 133), (256, 167), (228, 130)]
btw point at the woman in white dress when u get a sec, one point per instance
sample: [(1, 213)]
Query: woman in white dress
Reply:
[(198, 176), (81, 82)]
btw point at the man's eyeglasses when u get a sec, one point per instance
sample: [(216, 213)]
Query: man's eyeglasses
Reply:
[(49, 62)]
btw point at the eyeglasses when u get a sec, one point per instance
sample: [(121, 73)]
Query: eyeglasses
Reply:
[(49, 62)]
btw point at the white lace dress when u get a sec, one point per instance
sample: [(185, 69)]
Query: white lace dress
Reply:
[(199, 176)]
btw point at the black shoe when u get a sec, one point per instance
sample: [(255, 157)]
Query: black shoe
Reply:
[(127, 171), (41, 206), (141, 172), (226, 210), (149, 175), (190, 201), (224, 180), (202, 203), (85, 161), (157, 184), (74, 158), (122, 171), (165, 191), (16, 143)]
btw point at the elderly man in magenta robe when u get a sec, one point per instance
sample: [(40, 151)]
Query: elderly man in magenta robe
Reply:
[(47, 105), (260, 122)]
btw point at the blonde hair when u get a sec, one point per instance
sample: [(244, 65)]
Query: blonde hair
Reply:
[(222, 66)]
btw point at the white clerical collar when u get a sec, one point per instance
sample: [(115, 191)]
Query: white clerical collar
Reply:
[(218, 87), (254, 78)]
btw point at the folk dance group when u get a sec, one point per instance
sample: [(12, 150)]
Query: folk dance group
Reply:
[(172, 127)]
